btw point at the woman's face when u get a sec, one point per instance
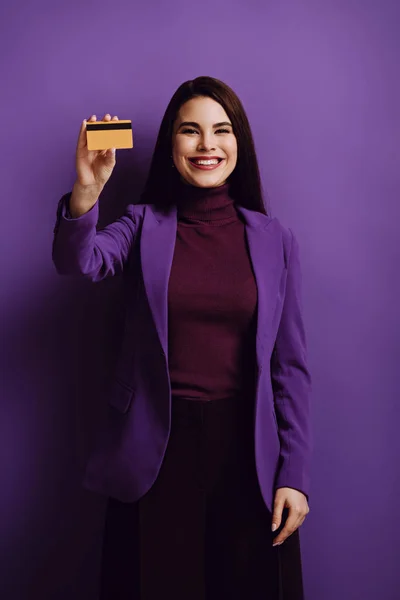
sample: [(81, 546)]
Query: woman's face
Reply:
[(202, 130)]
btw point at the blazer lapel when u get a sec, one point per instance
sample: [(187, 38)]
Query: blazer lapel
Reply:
[(157, 245), (266, 253)]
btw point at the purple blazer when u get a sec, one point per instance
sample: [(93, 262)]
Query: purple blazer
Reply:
[(130, 447)]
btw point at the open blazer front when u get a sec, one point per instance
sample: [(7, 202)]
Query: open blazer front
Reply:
[(130, 447)]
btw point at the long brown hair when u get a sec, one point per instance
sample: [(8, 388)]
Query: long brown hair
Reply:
[(245, 183)]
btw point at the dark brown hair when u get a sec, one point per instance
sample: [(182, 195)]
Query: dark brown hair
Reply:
[(245, 183)]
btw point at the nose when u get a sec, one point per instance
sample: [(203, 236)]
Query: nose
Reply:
[(205, 143)]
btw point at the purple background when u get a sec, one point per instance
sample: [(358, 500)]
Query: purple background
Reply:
[(320, 84)]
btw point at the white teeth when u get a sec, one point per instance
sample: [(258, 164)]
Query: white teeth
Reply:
[(206, 162)]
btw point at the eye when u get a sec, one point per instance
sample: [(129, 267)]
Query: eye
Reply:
[(222, 130)]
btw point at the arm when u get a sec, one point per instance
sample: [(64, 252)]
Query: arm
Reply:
[(78, 249), (291, 384)]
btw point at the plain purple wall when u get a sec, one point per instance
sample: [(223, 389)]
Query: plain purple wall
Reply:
[(319, 81)]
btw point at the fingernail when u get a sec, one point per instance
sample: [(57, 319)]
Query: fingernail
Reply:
[(274, 526), (277, 544)]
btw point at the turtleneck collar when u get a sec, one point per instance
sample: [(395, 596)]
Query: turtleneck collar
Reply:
[(213, 205)]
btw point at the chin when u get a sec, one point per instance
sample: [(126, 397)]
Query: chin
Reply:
[(205, 181)]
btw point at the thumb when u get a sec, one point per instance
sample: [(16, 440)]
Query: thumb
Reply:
[(277, 515)]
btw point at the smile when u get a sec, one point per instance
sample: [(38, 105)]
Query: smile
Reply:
[(206, 164)]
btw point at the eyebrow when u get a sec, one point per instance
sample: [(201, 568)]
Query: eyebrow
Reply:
[(194, 124)]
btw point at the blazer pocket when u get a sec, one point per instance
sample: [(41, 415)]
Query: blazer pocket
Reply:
[(120, 395)]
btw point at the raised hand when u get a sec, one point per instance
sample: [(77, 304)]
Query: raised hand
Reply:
[(93, 169)]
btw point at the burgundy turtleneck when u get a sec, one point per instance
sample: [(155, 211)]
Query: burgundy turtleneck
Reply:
[(212, 298)]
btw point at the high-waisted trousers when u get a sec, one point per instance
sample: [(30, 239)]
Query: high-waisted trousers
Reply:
[(202, 531)]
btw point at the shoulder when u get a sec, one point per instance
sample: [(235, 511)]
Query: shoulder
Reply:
[(134, 211), (286, 232), (289, 240)]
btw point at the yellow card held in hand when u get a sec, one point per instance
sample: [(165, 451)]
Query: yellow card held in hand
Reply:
[(102, 135)]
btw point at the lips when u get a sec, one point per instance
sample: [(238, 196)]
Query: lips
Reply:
[(206, 167), (196, 159)]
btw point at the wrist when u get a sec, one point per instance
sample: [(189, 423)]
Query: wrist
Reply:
[(82, 199), (86, 191)]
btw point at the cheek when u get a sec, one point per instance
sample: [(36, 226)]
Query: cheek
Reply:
[(182, 148), (231, 150), (233, 156)]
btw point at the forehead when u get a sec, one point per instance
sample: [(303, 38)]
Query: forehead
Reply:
[(202, 109)]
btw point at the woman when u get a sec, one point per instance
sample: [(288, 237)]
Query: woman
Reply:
[(205, 453)]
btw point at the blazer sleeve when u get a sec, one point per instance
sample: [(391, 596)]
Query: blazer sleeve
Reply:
[(291, 384), (79, 249)]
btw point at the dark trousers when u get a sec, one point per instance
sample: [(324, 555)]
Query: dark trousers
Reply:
[(202, 532)]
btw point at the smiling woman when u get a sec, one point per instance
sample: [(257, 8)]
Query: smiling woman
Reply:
[(205, 455)]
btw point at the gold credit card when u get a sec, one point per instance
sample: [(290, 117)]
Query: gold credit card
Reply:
[(102, 135)]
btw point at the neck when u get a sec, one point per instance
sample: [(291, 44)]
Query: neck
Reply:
[(207, 204)]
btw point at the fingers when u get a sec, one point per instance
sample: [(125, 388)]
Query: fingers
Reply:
[(82, 141), (277, 517), (107, 117), (293, 521)]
